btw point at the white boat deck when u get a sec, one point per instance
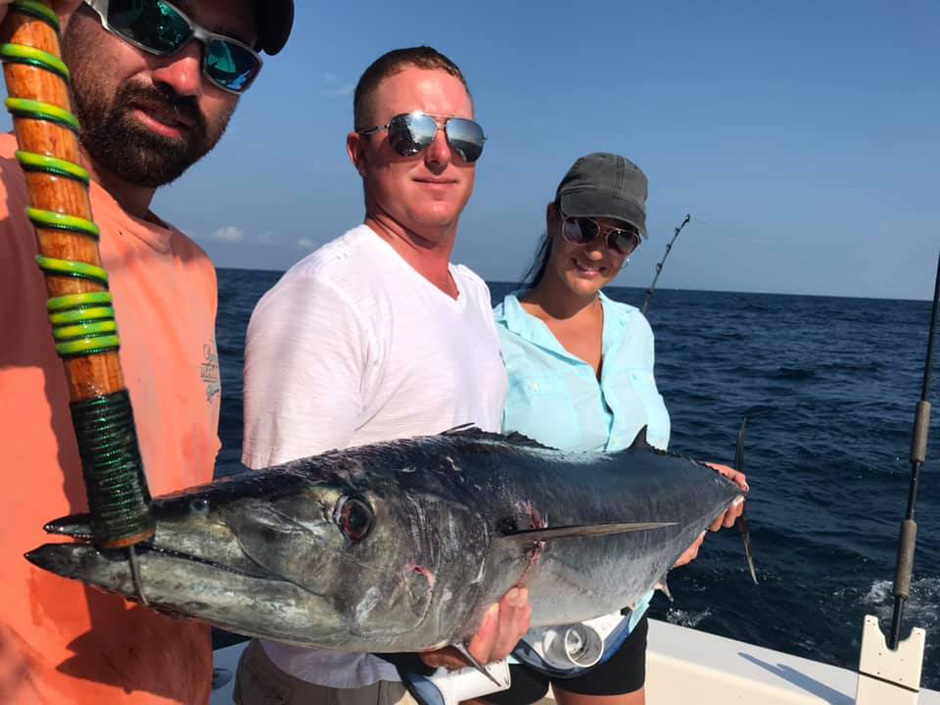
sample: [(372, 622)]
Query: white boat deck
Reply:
[(686, 666)]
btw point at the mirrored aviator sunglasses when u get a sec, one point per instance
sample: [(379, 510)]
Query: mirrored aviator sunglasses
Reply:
[(581, 231), (158, 27), (412, 133)]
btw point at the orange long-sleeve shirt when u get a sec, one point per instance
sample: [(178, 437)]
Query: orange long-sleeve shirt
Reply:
[(60, 641)]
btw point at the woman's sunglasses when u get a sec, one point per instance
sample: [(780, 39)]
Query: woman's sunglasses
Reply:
[(159, 28), (581, 231), (411, 133)]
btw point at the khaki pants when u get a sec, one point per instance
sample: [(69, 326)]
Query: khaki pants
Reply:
[(259, 682)]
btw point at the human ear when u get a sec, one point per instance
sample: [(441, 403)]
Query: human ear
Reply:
[(355, 148), (552, 215)]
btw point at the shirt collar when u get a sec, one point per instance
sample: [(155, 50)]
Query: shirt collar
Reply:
[(526, 326), (156, 235), (516, 319)]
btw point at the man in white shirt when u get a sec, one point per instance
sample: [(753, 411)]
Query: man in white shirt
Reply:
[(377, 336)]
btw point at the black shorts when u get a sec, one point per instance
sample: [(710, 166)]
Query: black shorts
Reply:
[(624, 672)]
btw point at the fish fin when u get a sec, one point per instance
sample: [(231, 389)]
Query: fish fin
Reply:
[(582, 531), (663, 587), (464, 429), (469, 430), (739, 448), (741, 522), (640, 442), (523, 440), (745, 531), (472, 660)]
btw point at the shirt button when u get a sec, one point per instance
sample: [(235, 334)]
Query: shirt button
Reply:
[(535, 386)]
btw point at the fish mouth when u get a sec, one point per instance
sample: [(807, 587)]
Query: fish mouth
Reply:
[(238, 597), (104, 568), (204, 571), (77, 561), (163, 559)]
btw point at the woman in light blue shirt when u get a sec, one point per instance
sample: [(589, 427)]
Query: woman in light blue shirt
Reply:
[(581, 375)]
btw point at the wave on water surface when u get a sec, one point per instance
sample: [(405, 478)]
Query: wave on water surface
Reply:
[(922, 608), (687, 618)]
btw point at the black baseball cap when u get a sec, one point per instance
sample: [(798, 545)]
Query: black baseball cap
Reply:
[(604, 185), (275, 19)]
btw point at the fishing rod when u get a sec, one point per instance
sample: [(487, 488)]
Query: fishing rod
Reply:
[(80, 306), (908, 537), (659, 267)]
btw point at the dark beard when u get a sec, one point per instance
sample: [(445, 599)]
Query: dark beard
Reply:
[(116, 141)]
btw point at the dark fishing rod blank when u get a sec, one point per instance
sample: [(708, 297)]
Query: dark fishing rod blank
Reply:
[(908, 539), (659, 267)]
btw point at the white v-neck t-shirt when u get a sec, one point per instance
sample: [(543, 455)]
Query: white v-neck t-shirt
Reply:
[(353, 346)]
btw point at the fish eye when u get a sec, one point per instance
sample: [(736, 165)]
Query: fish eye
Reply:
[(354, 517), (199, 505)]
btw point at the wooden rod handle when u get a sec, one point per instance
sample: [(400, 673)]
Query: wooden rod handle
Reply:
[(80, 306)]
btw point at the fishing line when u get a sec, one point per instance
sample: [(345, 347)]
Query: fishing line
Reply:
[(83, 322), (721, 230)]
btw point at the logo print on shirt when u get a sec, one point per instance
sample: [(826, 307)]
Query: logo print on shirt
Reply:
[(209, 371)]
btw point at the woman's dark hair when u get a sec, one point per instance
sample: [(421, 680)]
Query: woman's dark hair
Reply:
[(536, 270)]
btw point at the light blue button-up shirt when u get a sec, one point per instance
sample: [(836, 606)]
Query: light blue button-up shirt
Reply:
[(556, 399)]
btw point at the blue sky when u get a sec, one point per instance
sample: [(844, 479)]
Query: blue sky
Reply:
[(801, 136)]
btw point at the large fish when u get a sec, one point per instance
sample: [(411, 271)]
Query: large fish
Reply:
[(401, 546)]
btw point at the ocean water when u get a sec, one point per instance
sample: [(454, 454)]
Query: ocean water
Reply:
[(828, 387)]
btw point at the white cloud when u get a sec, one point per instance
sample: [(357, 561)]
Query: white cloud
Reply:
[(340, 91), (334, 88), (230, 233), (306, 244), (235, 234)]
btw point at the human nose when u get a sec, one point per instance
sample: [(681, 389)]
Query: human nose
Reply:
[(183, 71), (438, 155), (597, 247)]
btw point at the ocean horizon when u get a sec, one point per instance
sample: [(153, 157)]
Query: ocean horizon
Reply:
[(659, 287)]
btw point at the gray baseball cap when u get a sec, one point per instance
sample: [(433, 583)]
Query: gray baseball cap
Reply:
[(275, 19), (604, 185)]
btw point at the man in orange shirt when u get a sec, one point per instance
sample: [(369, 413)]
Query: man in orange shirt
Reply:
[(153, 94)]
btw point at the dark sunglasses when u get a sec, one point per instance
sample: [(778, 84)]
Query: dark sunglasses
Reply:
[(158, 27), (581, 231), (411, 133)]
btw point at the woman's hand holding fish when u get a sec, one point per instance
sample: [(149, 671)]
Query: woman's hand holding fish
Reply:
[(503, 626), (727, 519), (691, 553)]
